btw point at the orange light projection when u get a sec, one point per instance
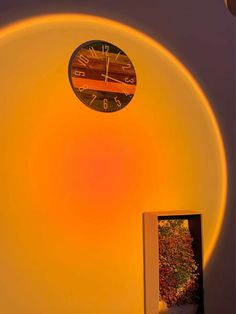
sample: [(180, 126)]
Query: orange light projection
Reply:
[(74, 181)]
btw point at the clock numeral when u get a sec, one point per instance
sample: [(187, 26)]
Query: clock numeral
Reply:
[(126, 94), (79, 73), (126, 67), (83, 87), (94, 97), (83, 60), (105, 104), (105, 49), (92, 51), (118, 101), (117, 55), (127, 80)]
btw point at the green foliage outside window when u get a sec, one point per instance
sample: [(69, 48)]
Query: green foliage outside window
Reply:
[(177, 267)]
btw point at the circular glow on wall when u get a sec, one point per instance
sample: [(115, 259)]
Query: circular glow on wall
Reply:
[(74, 181)]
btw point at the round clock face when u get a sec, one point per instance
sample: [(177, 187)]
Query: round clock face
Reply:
[(102, 76)]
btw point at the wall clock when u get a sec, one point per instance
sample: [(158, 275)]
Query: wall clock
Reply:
[(102, 76)]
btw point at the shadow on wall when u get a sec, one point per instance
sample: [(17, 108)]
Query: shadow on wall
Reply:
[(231, 4)]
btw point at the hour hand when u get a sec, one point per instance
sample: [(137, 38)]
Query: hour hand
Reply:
[(111, 78)]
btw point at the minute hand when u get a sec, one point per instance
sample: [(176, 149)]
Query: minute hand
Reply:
[(107, 66), (113, 79)]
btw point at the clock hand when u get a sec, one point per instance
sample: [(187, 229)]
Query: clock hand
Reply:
[(107, 66), (111, 78)]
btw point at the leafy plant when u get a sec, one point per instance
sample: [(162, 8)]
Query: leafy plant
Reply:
[(177, 267)]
